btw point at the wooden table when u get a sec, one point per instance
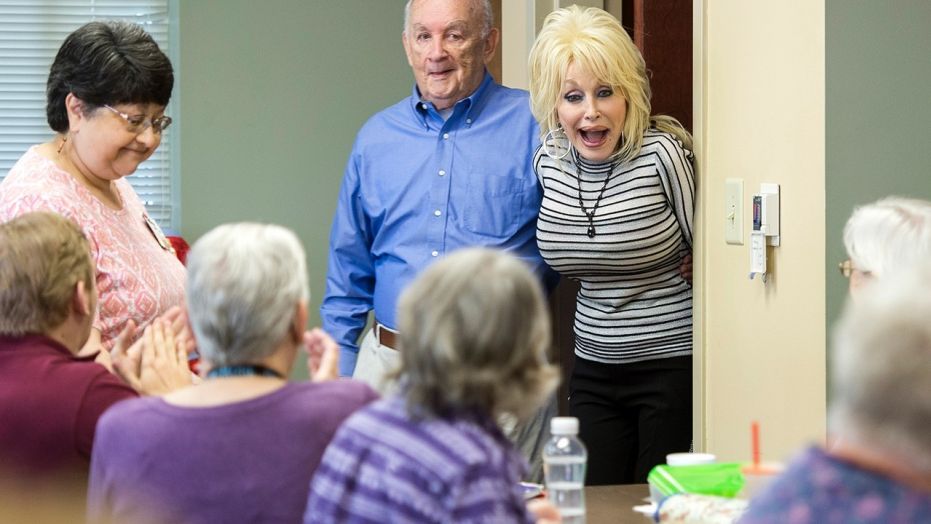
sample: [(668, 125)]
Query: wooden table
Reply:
[(614, 504)]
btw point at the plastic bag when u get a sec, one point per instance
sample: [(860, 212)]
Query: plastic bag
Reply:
[(722, 480)]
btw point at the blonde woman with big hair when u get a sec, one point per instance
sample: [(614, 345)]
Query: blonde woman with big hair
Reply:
[(618, 190)]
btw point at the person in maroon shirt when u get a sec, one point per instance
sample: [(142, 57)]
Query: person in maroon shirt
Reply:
[(50, 399)]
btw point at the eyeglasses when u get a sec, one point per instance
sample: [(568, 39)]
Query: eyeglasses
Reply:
[(139, 123), (847, 268)]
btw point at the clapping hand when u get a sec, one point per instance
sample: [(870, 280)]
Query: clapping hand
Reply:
[(156, 363), (322, 355)]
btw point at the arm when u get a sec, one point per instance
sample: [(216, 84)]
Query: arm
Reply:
[(485, 494), (104, 391), (677, 173), (351, 272)]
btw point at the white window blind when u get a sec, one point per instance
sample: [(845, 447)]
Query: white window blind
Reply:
[(31, 31)]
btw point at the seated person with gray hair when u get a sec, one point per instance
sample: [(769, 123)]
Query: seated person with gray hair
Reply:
[(473, 337), (51, 399), (878, 469), (242, 445), (885, 236)]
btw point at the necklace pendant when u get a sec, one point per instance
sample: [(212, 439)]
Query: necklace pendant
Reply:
[(591, 231)]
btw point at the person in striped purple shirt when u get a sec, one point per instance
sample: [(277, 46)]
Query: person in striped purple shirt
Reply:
[(473, 334)]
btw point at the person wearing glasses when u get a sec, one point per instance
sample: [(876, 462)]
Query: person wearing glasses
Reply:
[(883, 237), (877, 468), (106, 95)]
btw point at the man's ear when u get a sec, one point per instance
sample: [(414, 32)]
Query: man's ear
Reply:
[(81, 300), (407, 48), (491, 44)]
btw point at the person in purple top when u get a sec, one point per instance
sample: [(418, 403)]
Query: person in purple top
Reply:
[(474, 331), (877, 468), (243, 445)]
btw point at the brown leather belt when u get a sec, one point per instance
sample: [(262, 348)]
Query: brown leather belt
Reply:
[(386, 336)]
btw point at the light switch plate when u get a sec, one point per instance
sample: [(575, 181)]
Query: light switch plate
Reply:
[(734, 211)]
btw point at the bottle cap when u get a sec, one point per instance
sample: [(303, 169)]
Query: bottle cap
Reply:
[(564, 426)]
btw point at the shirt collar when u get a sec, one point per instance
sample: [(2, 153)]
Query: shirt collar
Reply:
[(34, 340), (467, 108)]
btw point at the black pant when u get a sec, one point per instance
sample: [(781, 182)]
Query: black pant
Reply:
[(631, 415)]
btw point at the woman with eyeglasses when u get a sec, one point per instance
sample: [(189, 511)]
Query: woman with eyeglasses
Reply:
[(884, 237), (106, 95)]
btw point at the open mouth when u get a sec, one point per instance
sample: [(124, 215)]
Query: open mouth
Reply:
[(593, 137)]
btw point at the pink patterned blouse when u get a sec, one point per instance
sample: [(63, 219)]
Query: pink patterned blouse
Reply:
[(137, 278)]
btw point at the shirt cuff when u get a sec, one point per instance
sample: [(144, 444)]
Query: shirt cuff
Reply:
[(347, 361)]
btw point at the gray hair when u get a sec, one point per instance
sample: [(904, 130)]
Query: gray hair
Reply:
[(881, 369), (243, 285), (488, 16), (474, 331), (889, 234)]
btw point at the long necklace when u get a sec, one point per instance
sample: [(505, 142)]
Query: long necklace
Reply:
[(591, 214)]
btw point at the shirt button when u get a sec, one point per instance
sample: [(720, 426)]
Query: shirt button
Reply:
[(423, 106), (445, 136), (435, 253), (437, 213), (442, 172), (468, 120)]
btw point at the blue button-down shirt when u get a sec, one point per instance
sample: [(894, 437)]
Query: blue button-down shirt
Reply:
[(417, 187)]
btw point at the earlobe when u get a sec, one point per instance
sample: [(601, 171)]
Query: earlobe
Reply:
[(491, 43), (81, 302), (299, 324), (75, 108)]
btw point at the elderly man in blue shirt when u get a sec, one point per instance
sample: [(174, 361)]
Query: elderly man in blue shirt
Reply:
[(445, 168)]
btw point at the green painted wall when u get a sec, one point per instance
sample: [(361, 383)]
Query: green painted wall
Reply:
[(878, 73), (272, 95)]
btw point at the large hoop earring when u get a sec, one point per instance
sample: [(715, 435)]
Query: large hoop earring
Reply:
[(554, 136)]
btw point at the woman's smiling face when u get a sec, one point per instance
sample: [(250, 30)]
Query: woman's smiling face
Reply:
[(592, 114)]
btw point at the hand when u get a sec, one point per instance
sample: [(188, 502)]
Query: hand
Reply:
[(322, 355), (177, 316), (545, 511), (126, 357), (157, 363), (685, 270)]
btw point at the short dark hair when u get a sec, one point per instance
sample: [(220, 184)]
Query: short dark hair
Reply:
[(107, 63)]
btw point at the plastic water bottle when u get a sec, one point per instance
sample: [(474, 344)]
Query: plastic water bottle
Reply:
[(564, 459)]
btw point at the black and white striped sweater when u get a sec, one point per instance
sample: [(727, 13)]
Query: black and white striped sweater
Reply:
[(633, 304)]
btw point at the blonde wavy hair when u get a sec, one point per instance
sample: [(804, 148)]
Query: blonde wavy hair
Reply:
[(595, 41), (474, 331), (42, 257)]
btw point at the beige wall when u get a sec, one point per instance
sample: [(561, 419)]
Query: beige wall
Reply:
[(761, 106)]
